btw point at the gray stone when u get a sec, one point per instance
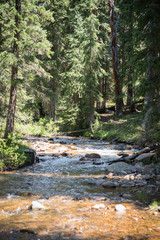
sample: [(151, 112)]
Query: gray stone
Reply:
[(139, 167), (125, 195), (145, 157), (147, 177), (121, 146), (109, 184), (31, 156), (158, 177), (121, 167), (149, 169)]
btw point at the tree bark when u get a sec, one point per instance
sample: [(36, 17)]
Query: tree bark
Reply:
[(53, 100), (130, 91), (118, 92), (13, 89), (130, 102)]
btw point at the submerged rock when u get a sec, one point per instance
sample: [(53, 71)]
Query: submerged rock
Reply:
[(85, 160), (92, 155), (110, 184), (121, 167), (26, 230)]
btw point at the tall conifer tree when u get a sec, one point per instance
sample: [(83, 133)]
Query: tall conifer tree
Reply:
[(25, 41)]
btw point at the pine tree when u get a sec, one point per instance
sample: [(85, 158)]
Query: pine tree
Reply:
[(118, 90), (148, 41), (25, 41), (84, 60), (126, 31), (57, 32)]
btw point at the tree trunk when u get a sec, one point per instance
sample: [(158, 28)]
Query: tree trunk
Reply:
[(118, 93), (53, 101), (13, 88), (53, 109), (130, 102), (148, 100), (130, 92)]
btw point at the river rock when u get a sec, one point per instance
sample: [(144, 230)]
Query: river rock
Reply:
[(146, 157), (139, 167), (64, 154), (83, 159), (92, 155), (99, 206), (149, 169), (122, 154), (121, 168), (120, 208), (36, 206), (109, 184), (121, 146), (26, 230), (31, 156), (98, 163)]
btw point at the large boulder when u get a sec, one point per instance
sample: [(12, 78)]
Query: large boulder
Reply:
[(146, 157), (121, 168), (31, 156)]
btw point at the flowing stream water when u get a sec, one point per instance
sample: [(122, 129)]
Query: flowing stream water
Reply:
[(77, 204)]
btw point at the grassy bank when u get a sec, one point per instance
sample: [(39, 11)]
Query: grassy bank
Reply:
[(127, 128)]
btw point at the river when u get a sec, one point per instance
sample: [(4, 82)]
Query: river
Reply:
[(71, 189)]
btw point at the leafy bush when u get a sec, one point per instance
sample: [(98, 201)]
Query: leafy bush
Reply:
[(154, 206), (44, 127), (11, 156)]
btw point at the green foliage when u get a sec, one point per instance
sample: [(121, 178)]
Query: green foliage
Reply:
[(120, 129), (11, 155), (44, 127), (154, 206)]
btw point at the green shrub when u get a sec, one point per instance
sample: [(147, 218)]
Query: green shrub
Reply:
[(11, 156), (44, 127), (154, 206)]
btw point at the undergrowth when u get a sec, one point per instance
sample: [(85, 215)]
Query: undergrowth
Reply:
[(43, 127), (127, 127), (11, 155)]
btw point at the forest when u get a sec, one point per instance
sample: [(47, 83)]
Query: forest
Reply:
[(79, 119), (65, 64)]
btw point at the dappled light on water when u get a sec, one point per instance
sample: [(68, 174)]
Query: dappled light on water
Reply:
[(76, 205)]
